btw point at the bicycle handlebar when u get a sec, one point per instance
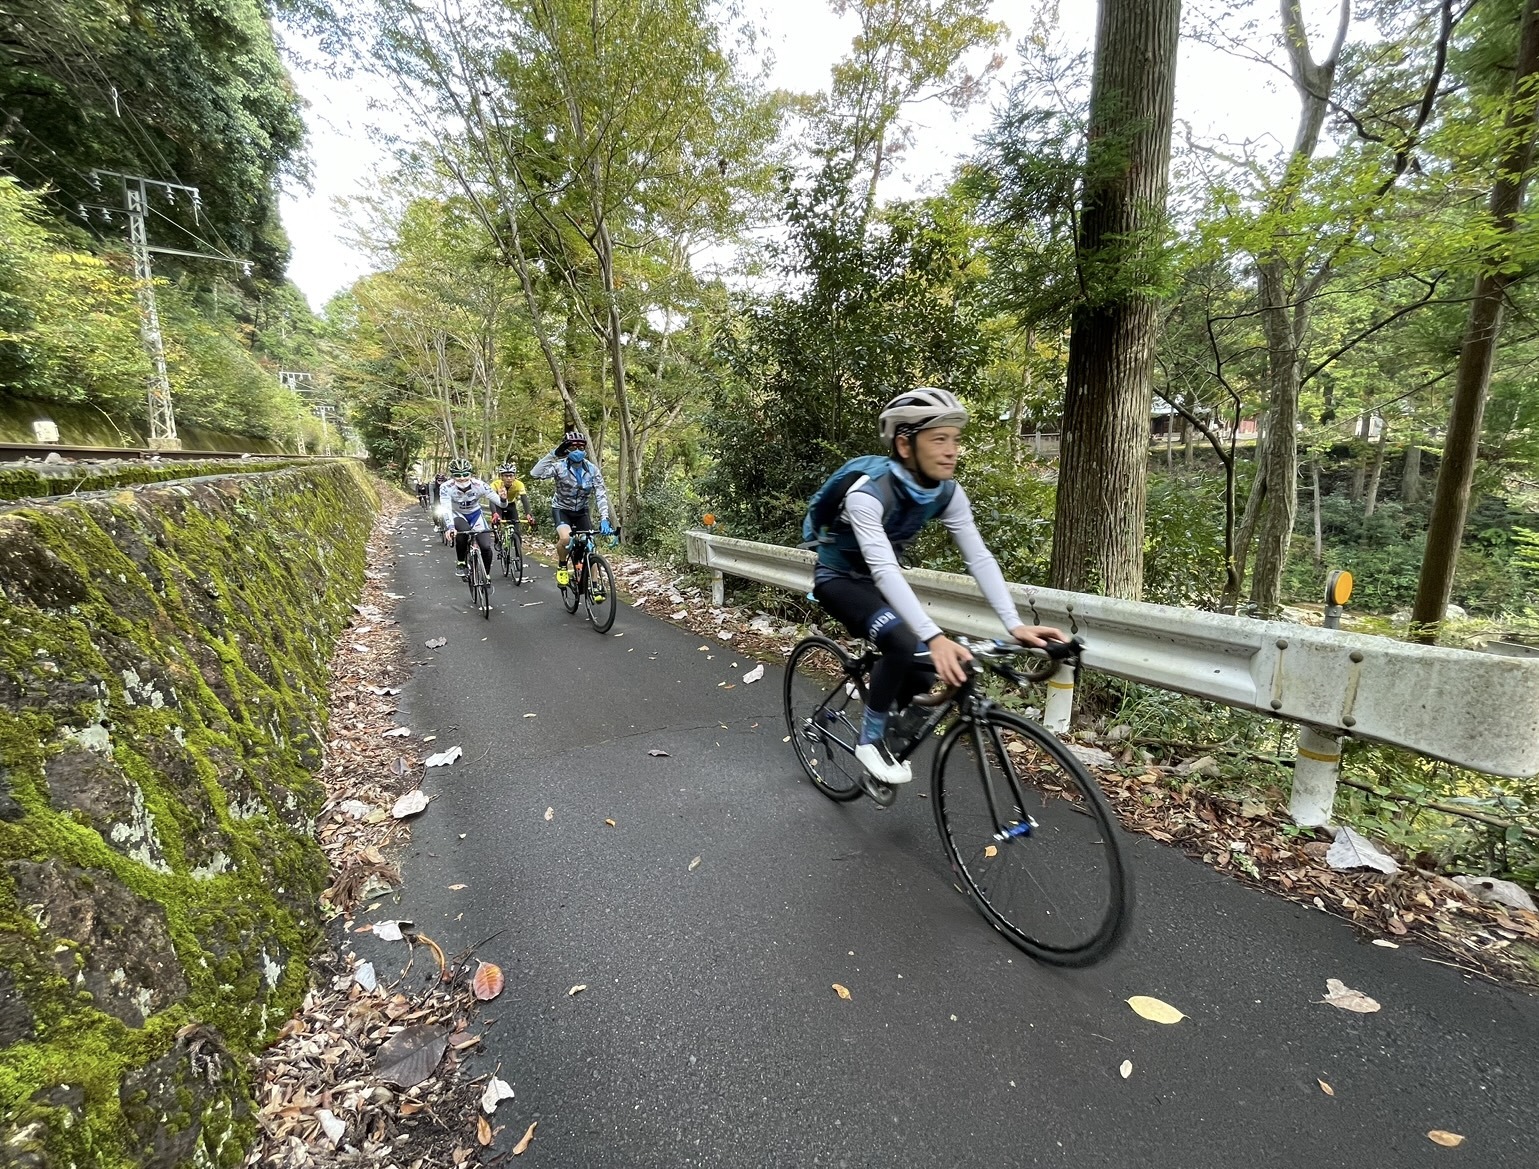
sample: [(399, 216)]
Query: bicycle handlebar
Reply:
[(1054, 653)]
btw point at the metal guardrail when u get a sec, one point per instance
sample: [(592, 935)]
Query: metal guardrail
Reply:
[(1472, 709)]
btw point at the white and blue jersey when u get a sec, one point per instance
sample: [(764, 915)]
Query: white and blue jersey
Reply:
[(456, 502)]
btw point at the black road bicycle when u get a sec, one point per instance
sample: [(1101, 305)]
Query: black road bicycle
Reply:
[(591, 582), (479, 580), (510, 550), (1026, 829)]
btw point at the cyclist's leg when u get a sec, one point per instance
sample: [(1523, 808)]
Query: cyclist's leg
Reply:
[(563, 534), (484, 542), (896, 677), (461, 542)]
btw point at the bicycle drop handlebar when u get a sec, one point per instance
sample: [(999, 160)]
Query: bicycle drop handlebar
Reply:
[(994, 654)]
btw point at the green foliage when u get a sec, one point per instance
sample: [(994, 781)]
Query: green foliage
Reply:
[(874, 310), (69, 328)]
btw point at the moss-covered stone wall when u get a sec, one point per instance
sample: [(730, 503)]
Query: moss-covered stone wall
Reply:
[(39, 480), (163, 675)]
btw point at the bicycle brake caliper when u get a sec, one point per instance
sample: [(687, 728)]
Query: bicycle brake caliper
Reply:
[(1022, 828)]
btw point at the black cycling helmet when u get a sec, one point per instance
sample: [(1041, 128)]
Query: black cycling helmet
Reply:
[(461, 468)]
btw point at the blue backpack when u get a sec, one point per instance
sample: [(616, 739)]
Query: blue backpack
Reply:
[(823, 509)]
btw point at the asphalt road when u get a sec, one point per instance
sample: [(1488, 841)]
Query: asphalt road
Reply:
[(709, 1034)]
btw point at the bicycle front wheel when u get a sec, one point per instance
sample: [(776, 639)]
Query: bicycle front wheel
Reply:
[(516, 554), (599, 593), (825, 705), (483, 585), (1031, 838)]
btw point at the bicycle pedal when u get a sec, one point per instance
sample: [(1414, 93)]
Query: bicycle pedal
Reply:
[(882, 795)]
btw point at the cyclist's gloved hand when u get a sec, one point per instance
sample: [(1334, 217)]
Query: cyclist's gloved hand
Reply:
[(606, 529)]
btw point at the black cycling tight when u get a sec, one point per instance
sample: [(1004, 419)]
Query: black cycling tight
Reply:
[(898, 674)]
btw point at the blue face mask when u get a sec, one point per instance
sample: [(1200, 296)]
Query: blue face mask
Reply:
[(576, 456), (911, 485)]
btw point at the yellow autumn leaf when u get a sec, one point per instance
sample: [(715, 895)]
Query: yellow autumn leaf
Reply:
[(1327, 1089), (842, 991), (991, 851), (483, 1131), (1154, 1010), (523, 1144), (1449, 1140)]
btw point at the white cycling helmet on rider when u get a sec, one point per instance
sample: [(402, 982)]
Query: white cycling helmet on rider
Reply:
[(921, 409)]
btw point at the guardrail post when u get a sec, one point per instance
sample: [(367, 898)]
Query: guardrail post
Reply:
[(718, 589), (1060, 700), (1315, 772)]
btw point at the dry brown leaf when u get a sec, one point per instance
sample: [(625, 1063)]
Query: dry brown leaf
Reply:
[(991, 850), (456, 888), (1449, 1140), (483, 1130), (523, 1143), (1155, 1010), (1339, 994), (1326, 1088), (611, 823), (842, 991), (487, 983)]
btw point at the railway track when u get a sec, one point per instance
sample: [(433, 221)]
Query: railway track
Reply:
[(16, 451)]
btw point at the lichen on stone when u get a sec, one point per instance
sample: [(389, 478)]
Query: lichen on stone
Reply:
[(163, 676)]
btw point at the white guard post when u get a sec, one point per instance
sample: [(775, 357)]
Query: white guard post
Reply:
[(1314, 778), (1060, 700)]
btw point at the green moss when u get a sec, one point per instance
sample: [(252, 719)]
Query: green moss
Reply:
[(191, 625)]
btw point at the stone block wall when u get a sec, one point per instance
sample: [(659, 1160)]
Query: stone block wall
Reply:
[(163, 685)]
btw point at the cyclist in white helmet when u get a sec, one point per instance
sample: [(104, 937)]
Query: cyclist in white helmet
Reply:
[(459, 506), (857, 578)]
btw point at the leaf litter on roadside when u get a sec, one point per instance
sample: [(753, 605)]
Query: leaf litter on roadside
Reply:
[(1155, 1010), (1339, 994)]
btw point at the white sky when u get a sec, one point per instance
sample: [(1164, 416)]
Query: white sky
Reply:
[(1216, 93)]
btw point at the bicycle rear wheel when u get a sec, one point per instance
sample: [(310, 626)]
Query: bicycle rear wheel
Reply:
[(824, 704), (1057, 886), (516, 553), (599, 593)]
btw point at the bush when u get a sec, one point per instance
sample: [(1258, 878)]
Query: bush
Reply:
[(666, 509)]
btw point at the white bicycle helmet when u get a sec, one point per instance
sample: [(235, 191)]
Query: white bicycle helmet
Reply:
[(921, 409)]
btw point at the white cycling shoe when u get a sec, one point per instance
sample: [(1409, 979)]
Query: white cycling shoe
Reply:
[(881, 766)]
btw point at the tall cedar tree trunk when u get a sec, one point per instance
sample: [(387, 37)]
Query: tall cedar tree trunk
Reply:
[(1410, 477), (1371, 496), (1098, 522), (1461, 449)]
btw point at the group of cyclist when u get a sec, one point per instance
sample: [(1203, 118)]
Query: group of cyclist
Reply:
[(457, 499), (866, 514)]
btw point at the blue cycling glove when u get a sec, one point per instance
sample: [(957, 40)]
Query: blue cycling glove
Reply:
[(606, 529)]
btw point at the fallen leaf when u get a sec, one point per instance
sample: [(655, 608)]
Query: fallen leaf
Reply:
[(436, 642), (659, 755), (550, 813), (496, 1092), (578, 989), (399, 766), (412, 1055), (483, 1130), (1326, 1088), (334, 1128), (1154, 1010), (531, 716), (428, 738), (724, 635), (1126, 1069), (443, 758), (523, 1144), (842, 991), (1385, 943), (1339, 994), (611, 823), (364, 976), (398, 733), (456, 888), (694, 864), (991, 850), (754, 674), (1449, 1140), (487, 982), (389, 931), (410, 804)]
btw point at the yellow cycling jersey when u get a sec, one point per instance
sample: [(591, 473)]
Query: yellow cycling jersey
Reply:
[(514, 491)]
